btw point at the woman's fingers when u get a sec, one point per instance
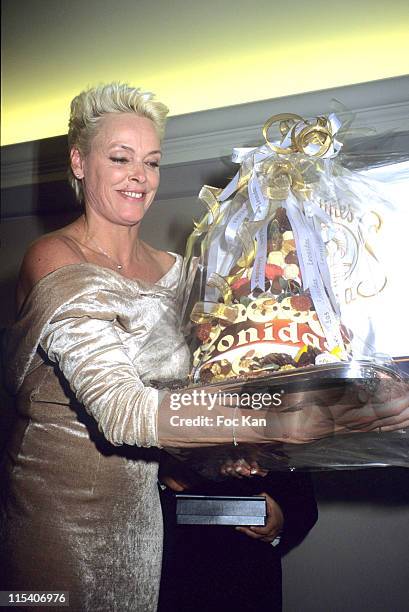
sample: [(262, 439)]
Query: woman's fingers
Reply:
[(236, 469), (391, 412), (256, 470), (242, 468)]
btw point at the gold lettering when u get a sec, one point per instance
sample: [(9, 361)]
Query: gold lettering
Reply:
[(350, 295), (335, 211)]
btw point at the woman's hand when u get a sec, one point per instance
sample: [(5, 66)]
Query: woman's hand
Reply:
[(240, 468), (178, 477), (274, 524), (387, 409), (311, 415), (303, 416)]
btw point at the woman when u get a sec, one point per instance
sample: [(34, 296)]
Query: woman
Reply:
[(84, 516), (96, 324), (97, 318)]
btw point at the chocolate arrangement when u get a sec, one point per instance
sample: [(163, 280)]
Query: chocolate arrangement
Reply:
[(275, 329), (271, 260), (275, 271)]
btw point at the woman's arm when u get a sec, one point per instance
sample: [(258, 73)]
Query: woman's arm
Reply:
[(104, 379), (93, 359), (83, 339)]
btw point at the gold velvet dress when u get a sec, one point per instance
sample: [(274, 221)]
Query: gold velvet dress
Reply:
[(82, 507)]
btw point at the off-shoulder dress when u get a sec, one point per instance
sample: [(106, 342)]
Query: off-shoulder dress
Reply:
[(82, 511)]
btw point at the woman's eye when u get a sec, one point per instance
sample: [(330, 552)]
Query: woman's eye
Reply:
[(153, 164), (119, 160)]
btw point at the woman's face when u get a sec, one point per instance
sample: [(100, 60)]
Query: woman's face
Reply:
[(121, 171)]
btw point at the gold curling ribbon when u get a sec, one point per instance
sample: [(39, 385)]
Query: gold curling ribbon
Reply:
[(317, 133), (204, 312), (283, 176), (209, 195), (286, 122), (221, 285)]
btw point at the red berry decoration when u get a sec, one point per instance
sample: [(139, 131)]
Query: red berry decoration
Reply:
[(203, 331), (241, 287), (239, 282), (272, 271), (301, 302)]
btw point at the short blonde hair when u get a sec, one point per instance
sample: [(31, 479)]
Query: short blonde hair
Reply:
[(89, 106)]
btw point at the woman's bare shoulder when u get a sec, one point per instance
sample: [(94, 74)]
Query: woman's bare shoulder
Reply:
[(164, 259), (44, 256)]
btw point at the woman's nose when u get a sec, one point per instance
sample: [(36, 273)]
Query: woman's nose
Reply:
[(137, 173)]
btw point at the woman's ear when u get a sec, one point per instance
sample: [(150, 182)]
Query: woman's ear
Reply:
[(76, 163)]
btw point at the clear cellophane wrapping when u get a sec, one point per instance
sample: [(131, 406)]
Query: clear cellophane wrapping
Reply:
[(283, 275)]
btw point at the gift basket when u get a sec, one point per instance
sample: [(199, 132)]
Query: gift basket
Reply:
[(276, 272)]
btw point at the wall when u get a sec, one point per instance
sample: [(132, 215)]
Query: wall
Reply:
[(355, 560)]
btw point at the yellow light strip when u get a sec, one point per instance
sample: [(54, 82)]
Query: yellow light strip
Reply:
[(238, 76)]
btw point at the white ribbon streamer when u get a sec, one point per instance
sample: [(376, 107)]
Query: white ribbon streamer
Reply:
[(304, 238), (258, 275), (260, 207)]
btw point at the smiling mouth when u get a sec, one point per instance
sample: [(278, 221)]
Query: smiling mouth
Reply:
[(135, 195)]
